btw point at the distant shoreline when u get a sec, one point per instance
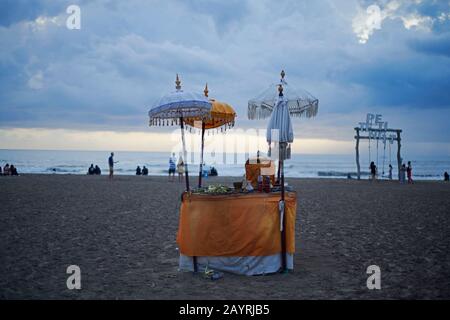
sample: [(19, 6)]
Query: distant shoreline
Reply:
[(234, 178)]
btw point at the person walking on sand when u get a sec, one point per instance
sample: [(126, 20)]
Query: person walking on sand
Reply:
[(172, 167), (111, 165), (390, 171), (409, 173), (180, 169), (373, 171)]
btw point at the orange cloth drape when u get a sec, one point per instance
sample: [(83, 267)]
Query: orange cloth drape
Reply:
[(235, 225), (253, 170)]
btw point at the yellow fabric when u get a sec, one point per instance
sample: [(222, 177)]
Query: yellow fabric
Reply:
[(235, 225), (254, 169), (221, 114)]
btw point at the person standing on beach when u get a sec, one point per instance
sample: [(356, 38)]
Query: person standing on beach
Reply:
[(390, 171), (180, 169), (403, 174), (373, 170), (172, 167), (409, 173), (446, 176), (111, 165)]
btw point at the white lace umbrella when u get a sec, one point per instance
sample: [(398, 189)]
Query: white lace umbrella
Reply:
[(300, 102), (174, 107)]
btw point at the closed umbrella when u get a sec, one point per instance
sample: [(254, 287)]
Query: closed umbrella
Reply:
[(280, 124), (173, 108)]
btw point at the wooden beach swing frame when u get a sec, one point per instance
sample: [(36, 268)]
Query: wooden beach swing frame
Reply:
[(377, 134)]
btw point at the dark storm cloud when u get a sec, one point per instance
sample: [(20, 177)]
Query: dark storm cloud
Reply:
[(127, 53)]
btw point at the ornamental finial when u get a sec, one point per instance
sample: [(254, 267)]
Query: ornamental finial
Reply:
[(280, 90), (206, 90), (178, 83), (282, 74)]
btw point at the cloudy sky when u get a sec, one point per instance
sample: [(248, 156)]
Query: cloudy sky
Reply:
[(92, 88)]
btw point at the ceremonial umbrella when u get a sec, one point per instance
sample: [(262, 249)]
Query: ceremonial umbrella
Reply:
[(221, 115), (174, 107), (280, 107), (300, 102)]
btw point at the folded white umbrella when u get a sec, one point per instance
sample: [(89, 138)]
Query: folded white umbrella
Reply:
[(279, 128)]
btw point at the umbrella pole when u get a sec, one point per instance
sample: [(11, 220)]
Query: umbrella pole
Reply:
[(278, 173), (187, 174), (201, 156), (184, 153), (283, 233)]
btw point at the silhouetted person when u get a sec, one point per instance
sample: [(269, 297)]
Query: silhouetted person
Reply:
[(409, 172), (373, 170), (446, 176), (6, 170), (13, 171), (390, 171), (213, 172), (144, 171), (111, 165), (138, 171), (91, 169), (97, 170)]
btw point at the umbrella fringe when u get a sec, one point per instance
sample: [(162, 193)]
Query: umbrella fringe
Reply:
[(256, 113), (309, 111)]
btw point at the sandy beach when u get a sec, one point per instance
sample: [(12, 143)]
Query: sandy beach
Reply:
[(122, 235)]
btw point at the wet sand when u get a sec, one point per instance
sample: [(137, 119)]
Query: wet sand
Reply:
[(122, 235)]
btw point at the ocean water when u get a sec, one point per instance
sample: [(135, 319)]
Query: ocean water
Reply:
[(321, 166)]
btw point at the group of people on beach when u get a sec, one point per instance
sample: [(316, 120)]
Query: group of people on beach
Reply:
[(94, 170), (143, 171), (405, 172), (111, 162), (179, 167), (8, 170)]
